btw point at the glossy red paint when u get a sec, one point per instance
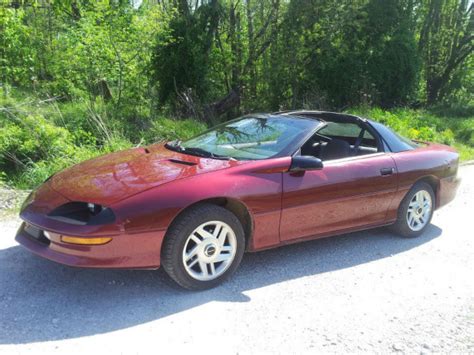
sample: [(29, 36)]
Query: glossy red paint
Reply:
[(123, 251), (113, 177), (435, 163), (147, 188), (346, 193)]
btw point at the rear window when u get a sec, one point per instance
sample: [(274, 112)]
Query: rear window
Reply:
[(340, 129)]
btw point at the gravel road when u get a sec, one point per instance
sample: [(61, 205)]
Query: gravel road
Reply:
[(362, 292)]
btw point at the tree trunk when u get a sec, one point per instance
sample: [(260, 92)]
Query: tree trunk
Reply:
[(433, 87), (230, 101), (444, 53), (252, 90)]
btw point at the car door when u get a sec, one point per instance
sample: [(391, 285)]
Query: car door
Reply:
[(345, 194)]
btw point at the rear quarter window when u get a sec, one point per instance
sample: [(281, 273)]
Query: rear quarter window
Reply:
[(395, 142)]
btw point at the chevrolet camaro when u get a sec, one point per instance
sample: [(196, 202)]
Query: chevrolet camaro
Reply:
[(256, 182)]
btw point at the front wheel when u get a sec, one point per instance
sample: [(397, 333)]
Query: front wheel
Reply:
[(203, 247), (415, 211)]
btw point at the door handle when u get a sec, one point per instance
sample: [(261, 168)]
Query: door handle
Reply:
[(386, 171)]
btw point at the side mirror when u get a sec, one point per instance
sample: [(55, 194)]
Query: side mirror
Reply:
[(304, 163)]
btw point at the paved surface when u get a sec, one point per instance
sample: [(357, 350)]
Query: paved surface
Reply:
[(361, 292)]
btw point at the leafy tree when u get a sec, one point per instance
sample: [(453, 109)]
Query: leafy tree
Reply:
[(446, 42), (213, 59), (16, 55)]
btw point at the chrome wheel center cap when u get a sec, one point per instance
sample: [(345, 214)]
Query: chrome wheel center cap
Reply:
[(210, 250)]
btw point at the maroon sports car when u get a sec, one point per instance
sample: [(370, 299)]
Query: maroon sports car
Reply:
[(256, 182)]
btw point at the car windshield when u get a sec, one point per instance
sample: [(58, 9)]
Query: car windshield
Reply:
[(252, 137)]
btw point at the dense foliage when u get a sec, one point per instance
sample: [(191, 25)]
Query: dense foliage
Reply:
[(40, 137), (81, 77)]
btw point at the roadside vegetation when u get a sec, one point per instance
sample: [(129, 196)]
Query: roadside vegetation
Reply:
[(434, 125), (83, 78), (39, 137)]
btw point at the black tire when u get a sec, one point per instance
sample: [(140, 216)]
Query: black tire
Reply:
[(177, 237), (401, 226)]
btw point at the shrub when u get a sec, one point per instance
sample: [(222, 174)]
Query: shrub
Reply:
[(167, 129), (423, 125), (465, 131), (39, 138), (32, 139), (3, 178)]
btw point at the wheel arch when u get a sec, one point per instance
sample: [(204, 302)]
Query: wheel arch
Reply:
[(233, 205)]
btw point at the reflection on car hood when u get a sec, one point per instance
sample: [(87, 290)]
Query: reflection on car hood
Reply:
[(113, 177)]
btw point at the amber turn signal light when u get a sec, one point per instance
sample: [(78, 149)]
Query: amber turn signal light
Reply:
[(84, 241)]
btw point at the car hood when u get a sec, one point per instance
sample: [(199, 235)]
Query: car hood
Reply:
[(114, 177)]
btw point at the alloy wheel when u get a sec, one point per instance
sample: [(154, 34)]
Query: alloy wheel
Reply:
[(419, 210), (209, 250)]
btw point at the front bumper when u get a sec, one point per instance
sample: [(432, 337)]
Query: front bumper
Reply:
[(125, 250), (130, 251)]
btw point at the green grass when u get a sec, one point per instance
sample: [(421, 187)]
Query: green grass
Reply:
[(424, 125), (39, 138)]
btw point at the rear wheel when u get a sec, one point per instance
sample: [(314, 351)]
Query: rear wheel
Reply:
[(415, 211), (203, 247)]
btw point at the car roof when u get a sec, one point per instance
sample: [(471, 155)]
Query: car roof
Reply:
[(393, 142), (323, 116)]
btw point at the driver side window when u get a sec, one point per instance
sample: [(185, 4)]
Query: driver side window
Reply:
[(340, 140)]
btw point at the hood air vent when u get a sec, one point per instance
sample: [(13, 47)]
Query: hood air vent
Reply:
[(176, 161)]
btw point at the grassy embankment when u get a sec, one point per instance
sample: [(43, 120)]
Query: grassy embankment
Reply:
[(40, 137)]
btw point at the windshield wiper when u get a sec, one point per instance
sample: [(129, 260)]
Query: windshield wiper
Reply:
[(176, 145)]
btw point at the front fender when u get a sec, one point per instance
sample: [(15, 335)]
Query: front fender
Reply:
[(257, 185)]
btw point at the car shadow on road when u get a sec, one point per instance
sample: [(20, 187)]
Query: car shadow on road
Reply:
[(44, 301)]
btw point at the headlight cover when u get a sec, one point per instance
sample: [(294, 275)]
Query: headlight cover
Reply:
[(83, 213), (28, 200)]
